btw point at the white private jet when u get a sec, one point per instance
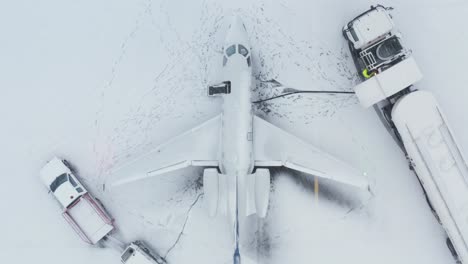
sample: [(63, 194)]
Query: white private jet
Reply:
[(236, 146)]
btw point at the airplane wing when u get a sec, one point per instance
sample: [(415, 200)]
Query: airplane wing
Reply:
[(275, 147), (197, 147)]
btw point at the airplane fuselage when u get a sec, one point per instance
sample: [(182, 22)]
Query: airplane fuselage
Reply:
[(236, 149), (237, 158)]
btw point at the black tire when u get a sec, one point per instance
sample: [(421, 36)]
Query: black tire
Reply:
[(69, 166), (452, 249), (66, 163)]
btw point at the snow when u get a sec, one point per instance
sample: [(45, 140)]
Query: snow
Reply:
[(99, 83)]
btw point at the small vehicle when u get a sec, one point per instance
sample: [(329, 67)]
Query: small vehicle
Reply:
[(59, 179), (414, 119), (84, 214), (138, 253)]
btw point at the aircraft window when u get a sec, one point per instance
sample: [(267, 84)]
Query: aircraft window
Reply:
[(248, 61), (243, 50), (224, 60), (231, 50)]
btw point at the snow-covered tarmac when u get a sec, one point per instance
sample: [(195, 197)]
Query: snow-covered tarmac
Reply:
[(101, 82)]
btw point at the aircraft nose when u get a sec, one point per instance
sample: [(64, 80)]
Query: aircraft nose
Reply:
[(237, 32), (236, 22)]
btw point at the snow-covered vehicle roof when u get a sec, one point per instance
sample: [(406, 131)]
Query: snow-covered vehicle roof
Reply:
[(59, 179), (369, 27)]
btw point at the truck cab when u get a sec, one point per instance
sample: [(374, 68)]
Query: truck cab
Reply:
[(60, 180), (374, 42)]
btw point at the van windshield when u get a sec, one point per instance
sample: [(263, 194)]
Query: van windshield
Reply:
[(58, 181)]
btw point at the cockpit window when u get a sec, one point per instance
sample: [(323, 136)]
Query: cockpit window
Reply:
[(243, 50), (248, 61), (231, 50)]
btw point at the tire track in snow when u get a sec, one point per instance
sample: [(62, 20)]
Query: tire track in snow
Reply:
[(181, 83), (102, 157)]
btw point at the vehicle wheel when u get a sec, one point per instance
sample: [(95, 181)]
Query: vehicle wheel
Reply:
[(452, 249), (69, 166), (66, 163)]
